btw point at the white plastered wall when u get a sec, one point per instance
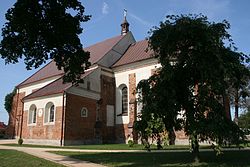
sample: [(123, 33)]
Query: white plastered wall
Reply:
[(42, 101), (34, 86), (95, 88), (142, 70)]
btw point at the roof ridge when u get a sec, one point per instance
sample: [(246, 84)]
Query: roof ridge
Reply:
[(104, 41)]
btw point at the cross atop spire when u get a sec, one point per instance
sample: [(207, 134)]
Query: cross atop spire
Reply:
[(125, 24)]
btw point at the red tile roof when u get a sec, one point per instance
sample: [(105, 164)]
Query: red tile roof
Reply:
[(48, 71), (53, 88), (97, 51), (136, 52)]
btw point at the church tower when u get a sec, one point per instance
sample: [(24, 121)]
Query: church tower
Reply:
[(125, 24)]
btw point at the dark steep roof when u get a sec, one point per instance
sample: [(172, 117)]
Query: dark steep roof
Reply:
[(97, 51), (136, 52)]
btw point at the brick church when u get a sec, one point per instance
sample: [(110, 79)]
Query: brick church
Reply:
[(100, 110)]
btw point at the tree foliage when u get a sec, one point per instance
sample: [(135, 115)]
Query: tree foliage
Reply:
[(196, 74), (244, 120), (9, 100), (39, 30), (160, 107)]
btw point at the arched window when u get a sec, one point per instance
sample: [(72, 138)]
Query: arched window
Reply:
[(49, 116), (32, 114), (84, 112), (124, 99), (52, 113)]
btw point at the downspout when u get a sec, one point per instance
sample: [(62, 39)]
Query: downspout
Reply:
[(14, 128), (63, 113), (21, 131)]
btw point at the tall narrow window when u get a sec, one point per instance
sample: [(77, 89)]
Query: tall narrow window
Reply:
[(49, 115), (32, 114), (125, 100), (52, 113)]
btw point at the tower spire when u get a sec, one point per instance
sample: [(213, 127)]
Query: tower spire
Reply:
[(125, 24)]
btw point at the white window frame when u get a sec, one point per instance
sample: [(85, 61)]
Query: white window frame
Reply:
[(32, 110), (84, 109), (46, 119)]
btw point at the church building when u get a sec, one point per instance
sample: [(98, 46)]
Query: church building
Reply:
[(100, 110)]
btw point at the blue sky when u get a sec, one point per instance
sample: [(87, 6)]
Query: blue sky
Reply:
[(107, 16)]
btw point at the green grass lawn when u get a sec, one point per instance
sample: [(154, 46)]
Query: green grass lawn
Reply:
[(12, 158), (120, 146), (151, 159), (110, 147)]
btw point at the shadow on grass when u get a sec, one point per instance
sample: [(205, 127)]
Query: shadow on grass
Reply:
[(208, 158)]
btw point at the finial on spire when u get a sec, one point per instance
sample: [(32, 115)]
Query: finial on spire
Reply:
[(125, 12), (125, 24)]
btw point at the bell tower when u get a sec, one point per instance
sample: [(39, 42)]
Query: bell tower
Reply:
[(125, 24)]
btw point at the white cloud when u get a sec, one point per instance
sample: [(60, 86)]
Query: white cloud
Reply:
[(140, 20), (105, 8)]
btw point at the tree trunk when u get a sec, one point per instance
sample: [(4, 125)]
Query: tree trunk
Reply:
[(236, 105), (195, 148), (171, 136), (226, 102)]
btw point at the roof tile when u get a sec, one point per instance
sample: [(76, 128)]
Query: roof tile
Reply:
[(53, 88), (136, 52), (48, 71), (97, 51)]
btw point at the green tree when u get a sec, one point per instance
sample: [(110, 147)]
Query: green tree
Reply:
[(244, 120), (158, 98), (238, 82), (39, 30), (196, 68), (8, 101)]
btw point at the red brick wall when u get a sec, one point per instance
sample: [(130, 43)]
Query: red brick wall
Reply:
[(41, 130), (79, 129), (180, 135), (14, 124), (132, 98), (121, 132), (108, 98)]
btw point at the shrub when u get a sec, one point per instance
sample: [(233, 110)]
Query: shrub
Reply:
[(20, 141), (131, 143)]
